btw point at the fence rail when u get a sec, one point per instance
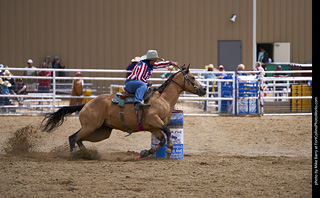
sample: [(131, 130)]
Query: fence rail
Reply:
[(270, 91)]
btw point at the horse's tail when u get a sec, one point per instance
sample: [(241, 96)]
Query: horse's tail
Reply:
[(52, 121)]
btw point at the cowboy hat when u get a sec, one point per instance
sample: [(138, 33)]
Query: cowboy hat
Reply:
[(7, 83), (30, 61), (153, 55), (1, 81), (209, 66), (8, 74), (136, 59)]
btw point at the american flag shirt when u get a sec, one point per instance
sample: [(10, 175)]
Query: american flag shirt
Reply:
[(143, 70)]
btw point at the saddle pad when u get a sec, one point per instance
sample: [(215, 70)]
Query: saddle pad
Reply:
[(117, 100)]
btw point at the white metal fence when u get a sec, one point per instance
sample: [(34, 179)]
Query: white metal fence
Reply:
[(271, 96)]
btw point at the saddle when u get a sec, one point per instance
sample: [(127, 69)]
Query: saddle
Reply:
[(122, 98)]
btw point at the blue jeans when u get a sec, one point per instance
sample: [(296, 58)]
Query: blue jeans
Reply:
[(139, 88)]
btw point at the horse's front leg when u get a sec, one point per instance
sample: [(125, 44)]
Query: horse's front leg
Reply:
[(167, 131), (160, 136)]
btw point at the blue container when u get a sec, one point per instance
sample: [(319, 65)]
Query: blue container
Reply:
[(176, 128)]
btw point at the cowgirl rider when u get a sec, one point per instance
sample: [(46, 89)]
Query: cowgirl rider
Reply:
[(137, 82)]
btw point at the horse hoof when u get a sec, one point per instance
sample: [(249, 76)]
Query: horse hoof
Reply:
[(144, 153), (168, 153)]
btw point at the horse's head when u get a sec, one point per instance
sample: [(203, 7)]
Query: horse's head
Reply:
[(188, 82)]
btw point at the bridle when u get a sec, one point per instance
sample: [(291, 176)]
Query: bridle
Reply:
[(186, 78)]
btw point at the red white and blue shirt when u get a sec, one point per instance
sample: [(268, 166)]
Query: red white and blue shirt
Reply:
[(143, 70)]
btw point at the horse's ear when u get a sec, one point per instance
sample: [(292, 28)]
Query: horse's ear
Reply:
[(183, 67), (188, 67)]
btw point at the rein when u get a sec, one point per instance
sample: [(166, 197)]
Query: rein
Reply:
[(167, 82)]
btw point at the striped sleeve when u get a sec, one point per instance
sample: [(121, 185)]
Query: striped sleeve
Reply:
[(161, 64)]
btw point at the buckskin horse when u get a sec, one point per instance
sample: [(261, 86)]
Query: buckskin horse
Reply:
[(101, 115)]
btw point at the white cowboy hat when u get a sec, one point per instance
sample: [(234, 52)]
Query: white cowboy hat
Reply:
[(153, 55), (30, 61), (8, 74), (7, 83), (136, 59), (209, 66)]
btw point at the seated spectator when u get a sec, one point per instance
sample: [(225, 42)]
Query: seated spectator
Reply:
[(7, 76), (77, 90), (221, 74), (5, 90), (241, 67), (20, 88)]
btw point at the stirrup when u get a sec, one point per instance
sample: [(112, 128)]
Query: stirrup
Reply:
[(140, 106)]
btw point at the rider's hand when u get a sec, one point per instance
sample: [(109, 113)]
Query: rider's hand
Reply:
[(175, 63)]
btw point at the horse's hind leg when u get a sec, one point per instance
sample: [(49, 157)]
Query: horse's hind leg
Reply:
[(72, 141), (99, 134)]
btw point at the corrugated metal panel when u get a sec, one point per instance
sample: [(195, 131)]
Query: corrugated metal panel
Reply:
[(109, 33), (286, 21)]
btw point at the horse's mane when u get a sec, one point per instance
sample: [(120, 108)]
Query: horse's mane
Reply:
[(165, 84)]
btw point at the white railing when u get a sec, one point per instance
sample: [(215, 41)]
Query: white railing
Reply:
[(55, 100)]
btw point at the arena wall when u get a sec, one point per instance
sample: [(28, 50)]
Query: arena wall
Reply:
[(109, 33)]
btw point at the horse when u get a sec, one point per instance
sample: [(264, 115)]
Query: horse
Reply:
[(99, 116)]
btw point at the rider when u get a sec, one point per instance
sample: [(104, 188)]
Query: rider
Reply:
[(137, 82)]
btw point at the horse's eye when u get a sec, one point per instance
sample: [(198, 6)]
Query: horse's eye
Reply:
[(193, 78)]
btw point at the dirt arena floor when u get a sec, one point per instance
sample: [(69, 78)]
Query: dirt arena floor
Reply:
[(224, 157)]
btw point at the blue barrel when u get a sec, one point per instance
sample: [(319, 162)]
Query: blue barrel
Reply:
[(176, 128)]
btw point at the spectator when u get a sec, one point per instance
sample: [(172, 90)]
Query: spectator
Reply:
[(5, 90), (132, 64), (31, 88), (310, 86), (1, 92), (20, 88), (209, 68), (44, 84), (57, 64), (241, 67), (259, 68), (167, 74), (1, 71), (77, 90), (279, 75), (47, 62), (221, 73), (7, 76), (263, 56)]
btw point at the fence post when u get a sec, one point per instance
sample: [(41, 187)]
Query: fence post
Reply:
[(261, 93), (234, 93), (54, 90)]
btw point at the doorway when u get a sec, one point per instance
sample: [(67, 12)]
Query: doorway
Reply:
[(268, 47)]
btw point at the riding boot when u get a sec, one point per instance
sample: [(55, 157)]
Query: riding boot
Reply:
[(140, 106)]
